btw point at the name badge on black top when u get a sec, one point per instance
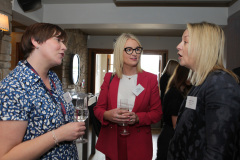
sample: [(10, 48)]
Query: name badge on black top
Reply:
[(191, 102)]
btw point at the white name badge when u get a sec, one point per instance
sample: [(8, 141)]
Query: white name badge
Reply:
[(138, 89), (191, 102), (67, 97)]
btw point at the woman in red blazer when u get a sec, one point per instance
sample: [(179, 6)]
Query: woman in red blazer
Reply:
[(141, 89)]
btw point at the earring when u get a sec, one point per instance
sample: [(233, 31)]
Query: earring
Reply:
[(37, 47)]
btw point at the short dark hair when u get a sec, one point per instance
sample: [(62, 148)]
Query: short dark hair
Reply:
[(40, 32)]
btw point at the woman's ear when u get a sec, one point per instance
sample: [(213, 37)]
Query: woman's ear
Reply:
[(35, 43)]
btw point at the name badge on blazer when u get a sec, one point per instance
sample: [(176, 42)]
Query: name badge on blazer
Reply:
[(191, 102), (138, 89)]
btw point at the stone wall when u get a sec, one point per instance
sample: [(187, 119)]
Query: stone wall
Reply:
[(5, 41), (77, 44)]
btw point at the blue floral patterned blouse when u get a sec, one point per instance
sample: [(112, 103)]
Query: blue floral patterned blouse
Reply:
[(24, 97)]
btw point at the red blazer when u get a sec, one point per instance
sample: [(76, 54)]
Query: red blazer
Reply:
[(148, 108)]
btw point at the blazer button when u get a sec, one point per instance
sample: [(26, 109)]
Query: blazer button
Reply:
[(111, 127)]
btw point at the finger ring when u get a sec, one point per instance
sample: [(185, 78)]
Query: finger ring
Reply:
[(131, 120)]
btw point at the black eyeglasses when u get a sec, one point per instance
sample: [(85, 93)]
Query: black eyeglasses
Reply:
[(129, 50)]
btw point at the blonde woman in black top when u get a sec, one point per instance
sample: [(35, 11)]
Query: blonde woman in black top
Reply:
[(208, 125)]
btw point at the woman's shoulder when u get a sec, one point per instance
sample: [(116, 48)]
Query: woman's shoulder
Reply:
[(221, 77), (17, 75), (220, 81), (148, 74), (108, 75), (165, 76), (173, 92)]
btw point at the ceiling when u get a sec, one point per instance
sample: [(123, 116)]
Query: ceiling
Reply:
[(106, 29)]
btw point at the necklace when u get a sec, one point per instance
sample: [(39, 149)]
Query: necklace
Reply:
[(129, 77)]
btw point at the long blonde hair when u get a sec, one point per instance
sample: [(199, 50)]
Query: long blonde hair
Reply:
[(118, 53), (206, 44)]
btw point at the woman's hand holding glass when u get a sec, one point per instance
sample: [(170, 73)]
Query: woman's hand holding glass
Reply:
[(70, 131), (116, 115), (124, 125), (131, 115), (80, 115), (119, 116), (133, 118)]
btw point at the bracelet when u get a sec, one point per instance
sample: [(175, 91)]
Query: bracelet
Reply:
[(55, 138)]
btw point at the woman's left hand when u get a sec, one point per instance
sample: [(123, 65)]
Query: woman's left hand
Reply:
[(133, 118)]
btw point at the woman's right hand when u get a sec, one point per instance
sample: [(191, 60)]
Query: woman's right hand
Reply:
[(12, 134), (70, 131), (116, 115)]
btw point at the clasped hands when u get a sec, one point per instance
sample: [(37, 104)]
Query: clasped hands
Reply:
[(118, 116)]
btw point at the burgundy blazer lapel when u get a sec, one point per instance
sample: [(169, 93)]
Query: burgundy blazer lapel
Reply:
[(142, 79), (113, 92)]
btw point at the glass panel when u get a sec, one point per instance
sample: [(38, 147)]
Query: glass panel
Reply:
[(151, 63)]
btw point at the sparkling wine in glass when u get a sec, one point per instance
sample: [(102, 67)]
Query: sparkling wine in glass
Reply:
[(81, 114), (130, 107), (124, 125)]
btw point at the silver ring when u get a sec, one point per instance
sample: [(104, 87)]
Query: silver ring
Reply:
[(131, 120)]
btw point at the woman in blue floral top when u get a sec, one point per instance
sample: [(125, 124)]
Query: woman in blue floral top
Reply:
[(36, 121)]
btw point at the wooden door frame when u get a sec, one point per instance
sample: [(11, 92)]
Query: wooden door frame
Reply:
[(92, 66), (92, 63)]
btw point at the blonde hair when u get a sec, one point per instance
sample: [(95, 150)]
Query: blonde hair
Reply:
[(118, 53), (170, 67), (206, 46)]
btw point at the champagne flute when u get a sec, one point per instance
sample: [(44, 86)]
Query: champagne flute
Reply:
[(81, 114), (130, 107), (124, 125)]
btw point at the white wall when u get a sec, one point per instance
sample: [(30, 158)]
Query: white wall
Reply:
[(148, 43), (105, 13)]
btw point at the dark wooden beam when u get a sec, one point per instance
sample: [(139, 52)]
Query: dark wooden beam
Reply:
[(175, 3)]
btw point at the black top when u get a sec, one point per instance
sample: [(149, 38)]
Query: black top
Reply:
[(171, 105), (237, 72), (163, 84)]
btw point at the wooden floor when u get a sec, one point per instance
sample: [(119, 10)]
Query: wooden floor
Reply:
[(155, 132)]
